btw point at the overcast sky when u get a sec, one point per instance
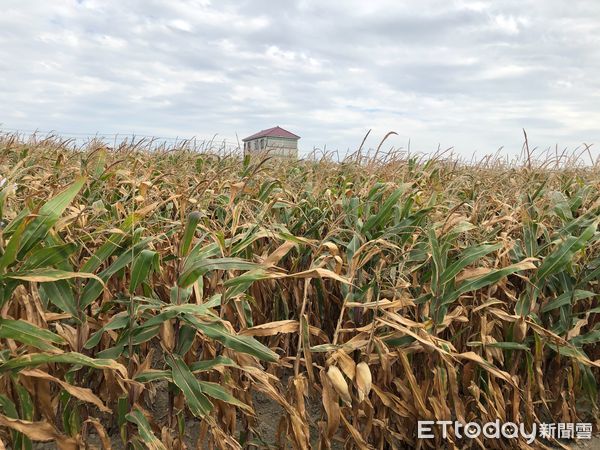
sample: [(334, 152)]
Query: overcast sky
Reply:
[(462, 74)]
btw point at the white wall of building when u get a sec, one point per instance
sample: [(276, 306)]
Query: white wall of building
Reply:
[(275, 146)]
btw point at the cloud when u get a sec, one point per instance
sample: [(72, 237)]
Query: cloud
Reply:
[(467, 74)]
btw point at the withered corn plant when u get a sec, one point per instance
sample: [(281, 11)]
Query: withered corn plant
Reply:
[(170, 299)]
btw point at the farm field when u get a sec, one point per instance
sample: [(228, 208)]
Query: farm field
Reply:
[(170, 299)]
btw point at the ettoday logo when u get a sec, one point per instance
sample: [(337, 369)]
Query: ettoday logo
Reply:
[(507, 430)]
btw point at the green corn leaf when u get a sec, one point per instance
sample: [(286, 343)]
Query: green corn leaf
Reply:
[(145, 430), (60, 294), (566, 298), (594, 272), (595, 310), (466, 258), (530, 230), (26, 405), (47, 216), (562, 256), (188, 232), (244, 344), (144, 265), (589, 338), (178, 295), (172, 311), (206, 365), (561, 206), (201, 252), (185, 339), (118, 321), (203, 266), (104, 252), (185, 380), (153, 375), (217, 391), (100, 161), (8, 407), (110, 246), (197, 367), (94, 288), (22, 216), (144, 334), (568, 350), (49, 256), (12, 248), (485, 280), (29, 334), (439, 260), (6, 290), (376, 222), (240, 284), (37, 359), (114, 352), (509, 346)]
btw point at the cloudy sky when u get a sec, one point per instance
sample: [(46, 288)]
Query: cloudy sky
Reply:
[(462, 74)]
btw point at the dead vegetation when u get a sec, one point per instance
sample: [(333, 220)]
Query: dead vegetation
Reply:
[(386, 289)]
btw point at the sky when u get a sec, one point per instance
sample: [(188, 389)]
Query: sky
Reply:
[(463, 74)]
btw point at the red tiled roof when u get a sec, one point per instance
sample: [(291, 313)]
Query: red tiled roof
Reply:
[(272, 132)]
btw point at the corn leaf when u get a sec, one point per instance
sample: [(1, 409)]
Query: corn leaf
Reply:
[(185, 380), (29, 334), (47, 216)]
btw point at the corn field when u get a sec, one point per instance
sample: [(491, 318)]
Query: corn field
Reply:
[(155, 298)]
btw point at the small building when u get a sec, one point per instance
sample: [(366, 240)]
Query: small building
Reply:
[(274, 141)]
